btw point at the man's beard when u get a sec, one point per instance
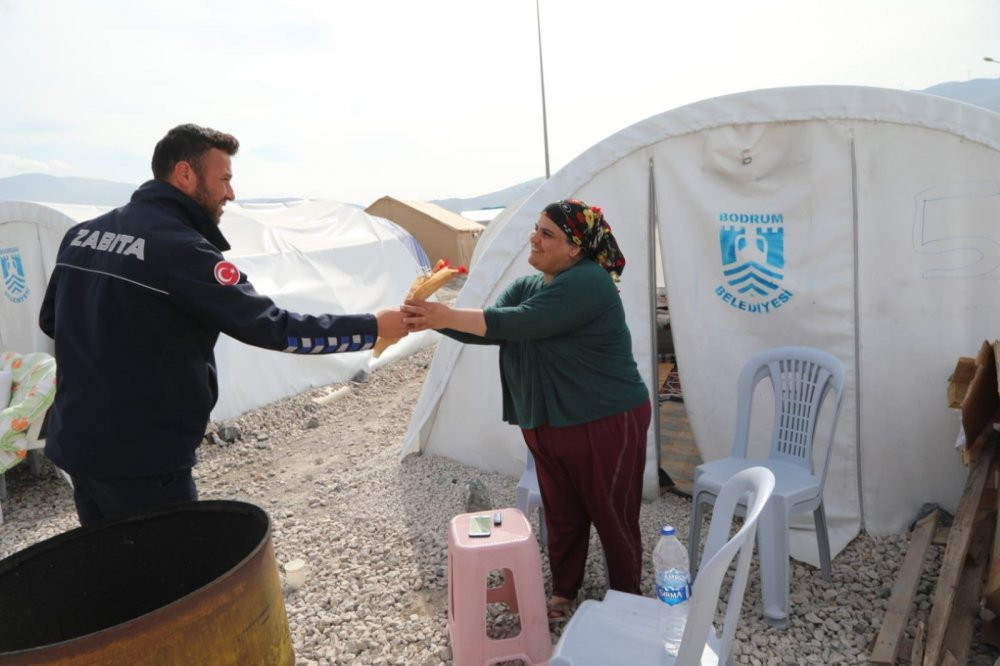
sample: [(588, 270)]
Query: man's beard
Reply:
[(204, 199)]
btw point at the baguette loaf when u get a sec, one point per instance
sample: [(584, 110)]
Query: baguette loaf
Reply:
[(423, 286)]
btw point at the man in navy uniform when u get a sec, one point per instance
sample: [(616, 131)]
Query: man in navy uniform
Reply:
[(135, 305)]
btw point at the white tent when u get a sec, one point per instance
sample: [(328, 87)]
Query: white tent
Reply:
[(863, 221), (30, 234), (309, 256)]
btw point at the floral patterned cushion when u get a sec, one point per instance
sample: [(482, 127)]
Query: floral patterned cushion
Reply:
[(32, 391)]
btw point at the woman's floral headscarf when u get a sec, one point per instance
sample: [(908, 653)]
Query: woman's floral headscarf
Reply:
[(585, 225)]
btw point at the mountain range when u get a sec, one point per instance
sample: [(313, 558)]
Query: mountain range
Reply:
[(62, 189)]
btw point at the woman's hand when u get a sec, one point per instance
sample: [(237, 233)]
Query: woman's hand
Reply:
[(421, 315)]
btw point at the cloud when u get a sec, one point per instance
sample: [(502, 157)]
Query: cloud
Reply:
[(11, 165)]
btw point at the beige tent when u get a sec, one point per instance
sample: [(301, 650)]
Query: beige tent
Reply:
[(442, 233)]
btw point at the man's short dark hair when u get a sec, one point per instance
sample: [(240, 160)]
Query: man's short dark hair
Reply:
[(189, 143)]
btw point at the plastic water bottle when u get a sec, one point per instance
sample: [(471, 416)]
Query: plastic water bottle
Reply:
[(673, 587)]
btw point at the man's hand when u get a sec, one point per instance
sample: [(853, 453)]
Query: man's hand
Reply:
[(390, 324)]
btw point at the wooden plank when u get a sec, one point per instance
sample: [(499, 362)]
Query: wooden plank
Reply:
[(954, 555), (958, 382), (992, 592), (958, 635), (996, 350), (981, 400), (900, 606), (989, 632), (917, 651), (988, 498), (971, 451)]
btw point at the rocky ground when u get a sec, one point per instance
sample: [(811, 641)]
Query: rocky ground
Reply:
[(372, 529)]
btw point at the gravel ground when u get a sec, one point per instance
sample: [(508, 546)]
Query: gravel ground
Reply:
[(373, 531)]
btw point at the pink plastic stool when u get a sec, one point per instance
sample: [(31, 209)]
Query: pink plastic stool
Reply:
[(513, 549)]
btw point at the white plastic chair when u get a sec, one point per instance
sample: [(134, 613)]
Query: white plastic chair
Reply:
[(626, 629), (33, 378), (528, 497), (801, 378)]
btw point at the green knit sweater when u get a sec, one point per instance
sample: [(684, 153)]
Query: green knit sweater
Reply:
[(565, 350)]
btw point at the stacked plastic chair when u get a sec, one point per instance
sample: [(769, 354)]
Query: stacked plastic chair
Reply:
[(32, 380), (625, 628), (801, 378), (529, 498)]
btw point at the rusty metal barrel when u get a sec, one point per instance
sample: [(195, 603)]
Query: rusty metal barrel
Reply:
[(192, 583)]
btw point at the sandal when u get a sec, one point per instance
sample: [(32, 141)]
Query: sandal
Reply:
[(559, 611)]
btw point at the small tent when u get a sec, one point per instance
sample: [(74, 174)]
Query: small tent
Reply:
[(30, 234), (442, 233), (862, 221), (309, 256)]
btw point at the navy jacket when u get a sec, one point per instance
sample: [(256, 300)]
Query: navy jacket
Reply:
[(135, 305)]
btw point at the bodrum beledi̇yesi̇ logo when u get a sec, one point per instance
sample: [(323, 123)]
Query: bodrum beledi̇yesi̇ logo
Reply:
[(15, 284), (752, 249)]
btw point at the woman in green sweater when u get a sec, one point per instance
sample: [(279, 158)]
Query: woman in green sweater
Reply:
[(571, 384)]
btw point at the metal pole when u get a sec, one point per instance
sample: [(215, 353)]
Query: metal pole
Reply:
[(541, 73), (652, 223)]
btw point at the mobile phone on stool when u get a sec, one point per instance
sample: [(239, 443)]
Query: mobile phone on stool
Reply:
[(480, 526)]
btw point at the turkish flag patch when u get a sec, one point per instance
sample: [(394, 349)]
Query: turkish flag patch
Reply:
[(226, 273)]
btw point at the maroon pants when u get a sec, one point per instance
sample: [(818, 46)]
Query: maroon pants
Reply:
[(592, 473)]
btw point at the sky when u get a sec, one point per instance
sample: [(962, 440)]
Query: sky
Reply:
[(428, 99)]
